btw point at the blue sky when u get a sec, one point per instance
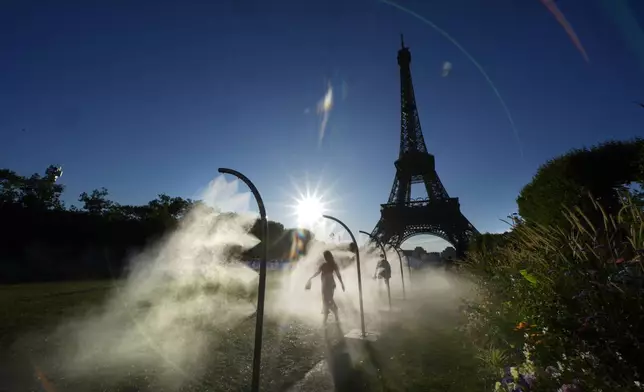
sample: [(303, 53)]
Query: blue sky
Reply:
[(148, 97)]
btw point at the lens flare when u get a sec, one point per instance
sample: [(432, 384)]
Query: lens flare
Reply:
[(324, 110), (298, 241), (307, 202), (447, 68), (554, 10), (309, 209)]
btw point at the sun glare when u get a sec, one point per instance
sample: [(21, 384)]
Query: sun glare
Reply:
[(309, 209)]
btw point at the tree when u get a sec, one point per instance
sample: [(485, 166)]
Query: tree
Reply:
[(419, 251), (487, 242), (96, 203), (10, 187), (38, 192), (166, 206), (448, 253), (33, 215), (565, 182)]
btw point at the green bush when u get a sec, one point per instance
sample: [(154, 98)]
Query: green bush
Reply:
[(602, 170), (572, 301)]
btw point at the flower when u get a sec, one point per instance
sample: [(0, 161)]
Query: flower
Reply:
[(568, 388), (529, 379), (521, 326)]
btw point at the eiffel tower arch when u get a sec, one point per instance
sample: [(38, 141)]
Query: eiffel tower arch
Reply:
[(438, 214)]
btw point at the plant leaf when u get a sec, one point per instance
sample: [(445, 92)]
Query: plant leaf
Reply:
[(530, 278)]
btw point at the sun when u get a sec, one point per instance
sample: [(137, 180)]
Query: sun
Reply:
[(309, 209), (308, 205)]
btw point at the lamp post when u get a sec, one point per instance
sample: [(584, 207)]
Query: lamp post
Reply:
[(401, 271), (259, 323), (384, 254), (355, 244)]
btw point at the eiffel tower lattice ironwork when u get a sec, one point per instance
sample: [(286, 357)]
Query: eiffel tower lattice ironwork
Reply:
[(403, 217)]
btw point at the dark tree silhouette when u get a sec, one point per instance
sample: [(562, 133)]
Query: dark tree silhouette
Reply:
[(566, 181), (39, 192), (43, 241), (487, 241), (96, 203)]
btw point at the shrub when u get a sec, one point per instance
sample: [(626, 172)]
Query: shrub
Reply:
[(570, 302), (602, 170)]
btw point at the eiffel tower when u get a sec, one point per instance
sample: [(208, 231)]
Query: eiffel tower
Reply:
[(438, 214)]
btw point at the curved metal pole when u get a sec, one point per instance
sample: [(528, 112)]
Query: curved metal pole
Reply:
[(408, 264), (377, 241), (364, 333), (384, 254), (402, 278), (259, 324)]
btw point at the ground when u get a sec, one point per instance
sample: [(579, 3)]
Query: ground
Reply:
[(418, 350)]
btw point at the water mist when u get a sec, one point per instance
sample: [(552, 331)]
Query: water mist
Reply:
[(183, 296), (178, 298)]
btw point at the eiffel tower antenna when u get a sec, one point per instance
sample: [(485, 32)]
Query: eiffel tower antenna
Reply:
[(438, 214)]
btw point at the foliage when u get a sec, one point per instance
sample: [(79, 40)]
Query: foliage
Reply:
[(487, 241), (45, 241), (38, 192), (563, 182), (567, 302), (96, 202)]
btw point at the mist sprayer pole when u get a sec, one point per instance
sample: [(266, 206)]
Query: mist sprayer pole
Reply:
[(355, 244), (408, 265), (384, 254), (259, 323), (402, 278)]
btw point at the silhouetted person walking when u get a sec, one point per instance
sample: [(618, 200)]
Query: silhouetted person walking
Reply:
[(326, 271), (383, 273), (383, 270)]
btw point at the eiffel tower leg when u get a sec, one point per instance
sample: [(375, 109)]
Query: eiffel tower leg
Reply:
[(428, 185), (404, 188)]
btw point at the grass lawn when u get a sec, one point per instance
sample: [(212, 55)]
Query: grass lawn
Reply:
[(30, 310), (418, 351), (34, 306), (425, 355)]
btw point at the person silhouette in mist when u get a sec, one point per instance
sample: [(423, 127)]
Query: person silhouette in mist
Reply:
[(383, 273), (383, 270), (326, 271)]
